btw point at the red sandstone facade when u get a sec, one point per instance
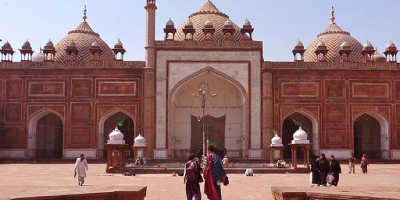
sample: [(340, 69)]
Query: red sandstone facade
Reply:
[(332, 88)]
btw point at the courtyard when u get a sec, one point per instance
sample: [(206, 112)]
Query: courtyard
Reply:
[(25, 180)]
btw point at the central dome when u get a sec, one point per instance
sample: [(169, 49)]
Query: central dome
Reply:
[(83, 37), (208, 13), (333, 37)]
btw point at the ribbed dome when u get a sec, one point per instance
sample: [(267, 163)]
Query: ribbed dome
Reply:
[(334, 37), (83, 37), (209, 12)]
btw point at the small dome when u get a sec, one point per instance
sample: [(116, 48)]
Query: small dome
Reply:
[(39, 57), (391, 44), (170, 23), (140, 141), (26, 44), (300, 135), (208, 23), (95, 44), (368, 44), (50, 43), (344, 44), (377, 57), (321, 44), (246, 22), (72, 43), (189, 23), (6, 46), (119, 43), (228, 23), (276, 141), (116, 134), (298, 44)]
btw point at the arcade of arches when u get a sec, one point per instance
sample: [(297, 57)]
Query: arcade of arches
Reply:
[(225, 116)]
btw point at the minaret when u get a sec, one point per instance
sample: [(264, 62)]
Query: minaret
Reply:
[(150, 32)]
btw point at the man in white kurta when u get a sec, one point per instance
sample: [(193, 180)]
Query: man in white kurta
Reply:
[(81, 167)]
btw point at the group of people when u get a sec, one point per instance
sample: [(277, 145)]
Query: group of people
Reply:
[(213, 172), (364, 164), (323, 172)]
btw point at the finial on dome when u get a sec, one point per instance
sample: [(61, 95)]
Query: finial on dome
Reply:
[(84, 14), (333, 15)]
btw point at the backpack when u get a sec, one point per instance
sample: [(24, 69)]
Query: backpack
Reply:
[(192, 171)]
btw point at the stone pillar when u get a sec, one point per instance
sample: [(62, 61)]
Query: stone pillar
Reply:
[(150, 33), (149, 111), (267, 113)]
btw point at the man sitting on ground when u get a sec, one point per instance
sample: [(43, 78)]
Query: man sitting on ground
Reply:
[(281, 163)]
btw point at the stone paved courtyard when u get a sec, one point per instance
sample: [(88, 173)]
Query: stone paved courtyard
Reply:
[(21, 180)]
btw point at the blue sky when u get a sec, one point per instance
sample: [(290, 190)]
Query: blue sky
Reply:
[(278, 23)]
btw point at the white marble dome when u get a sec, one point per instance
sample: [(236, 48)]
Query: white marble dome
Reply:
[(116, 134), (140, 141), (300, 137), (276, 141)]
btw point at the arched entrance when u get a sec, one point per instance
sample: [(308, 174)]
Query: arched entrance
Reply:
[(49, 137), (46, 134), (371, 136), (108, 123), (226, 115), (309, 125)]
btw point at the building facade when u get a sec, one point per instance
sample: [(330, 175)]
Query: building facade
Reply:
[(65, 100)]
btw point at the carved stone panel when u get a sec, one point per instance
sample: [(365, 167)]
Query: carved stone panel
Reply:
[(335, 113), (14, 89), (80, 136), (117, 88), (45, 89), (81, 88), (12, 137), (336, 135), (335, 89), (300, 90), (370, 89), (81, 112), (13, 113)]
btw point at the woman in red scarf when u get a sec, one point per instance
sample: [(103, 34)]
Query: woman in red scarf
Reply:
[(214, 175), (364, 164)]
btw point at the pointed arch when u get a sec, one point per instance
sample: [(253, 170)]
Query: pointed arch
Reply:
[(103, 118), (315, 126), (32, 125), (384, 130)]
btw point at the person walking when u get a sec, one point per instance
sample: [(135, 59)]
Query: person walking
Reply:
[(323, 169), (334, 169), (364, 164), (214, 175), (352, 164), (81, 166), (315, 178), (192, 178)]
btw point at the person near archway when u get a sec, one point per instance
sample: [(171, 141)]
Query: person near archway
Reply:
[(352, 164), (315, 179), (323, 169), (364, 164), (214, 174), (334, 169), (192, 178), (81, 166)]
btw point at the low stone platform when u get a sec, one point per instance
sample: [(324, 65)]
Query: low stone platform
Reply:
[(95, 193), (348, 193)]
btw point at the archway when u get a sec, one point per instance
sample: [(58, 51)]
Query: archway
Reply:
[(108, 123), (49, 137), (46, 134), (308, 123), (371, 136), (226, 114)]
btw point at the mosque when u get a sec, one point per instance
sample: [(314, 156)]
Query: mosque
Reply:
[(66, 99)]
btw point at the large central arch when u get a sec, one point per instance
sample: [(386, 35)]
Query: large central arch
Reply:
[(231, 102)]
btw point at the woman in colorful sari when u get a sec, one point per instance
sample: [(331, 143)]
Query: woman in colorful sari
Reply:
[(214, 175), (364, 164)]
